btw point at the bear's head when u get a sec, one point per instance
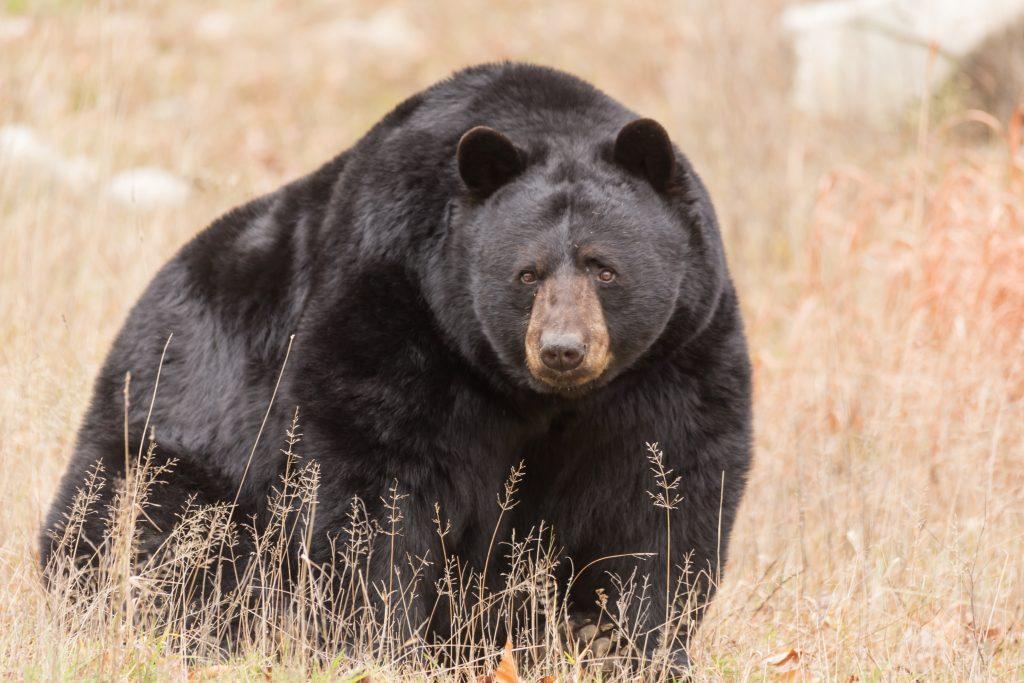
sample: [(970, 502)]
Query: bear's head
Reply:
[(582, 253)]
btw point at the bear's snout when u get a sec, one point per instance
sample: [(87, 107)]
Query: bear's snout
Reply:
[(562, 352), (567, 343)]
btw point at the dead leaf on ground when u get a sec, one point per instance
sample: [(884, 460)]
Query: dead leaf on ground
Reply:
[(212, 672), (785, 664), (506, 671)]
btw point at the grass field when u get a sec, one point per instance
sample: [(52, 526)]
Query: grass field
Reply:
[(882, 277)]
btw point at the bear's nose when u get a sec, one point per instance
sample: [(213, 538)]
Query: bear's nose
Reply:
[(563, 354)]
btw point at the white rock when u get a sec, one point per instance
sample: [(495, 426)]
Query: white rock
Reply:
[(20, 147), (389, 30), (12, 28), (148, 187), (870, 58), (215, 26), (20, 143)]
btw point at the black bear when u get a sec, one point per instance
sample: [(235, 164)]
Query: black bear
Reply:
[(509, 267)]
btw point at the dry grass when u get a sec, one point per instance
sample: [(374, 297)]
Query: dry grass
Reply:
[(883, 533)]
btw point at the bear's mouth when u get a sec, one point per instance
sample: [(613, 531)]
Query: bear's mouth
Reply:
[(566, 384)]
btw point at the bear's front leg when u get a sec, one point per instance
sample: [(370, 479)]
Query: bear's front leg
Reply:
[(414, 542), (646, 552)]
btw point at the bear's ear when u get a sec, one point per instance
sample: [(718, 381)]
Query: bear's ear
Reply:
[(643, 148), (487, 160)]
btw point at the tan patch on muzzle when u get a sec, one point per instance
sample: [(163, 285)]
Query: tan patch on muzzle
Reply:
[(567, 307)]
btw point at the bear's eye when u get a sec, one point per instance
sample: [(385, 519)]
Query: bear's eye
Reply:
[(606, 275), (528, 277)]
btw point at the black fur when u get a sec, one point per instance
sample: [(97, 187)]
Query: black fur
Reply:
[(401, 286)]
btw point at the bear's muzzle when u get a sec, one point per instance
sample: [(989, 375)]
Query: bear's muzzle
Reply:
[(567, 343)]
